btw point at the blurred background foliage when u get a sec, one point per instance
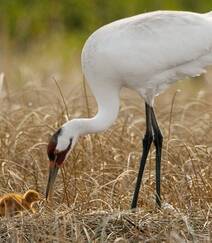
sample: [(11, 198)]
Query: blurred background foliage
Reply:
[(43, 38), (24, 22)]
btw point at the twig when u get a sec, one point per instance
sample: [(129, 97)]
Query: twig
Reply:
[(62, 96), (170, 121), (65, 187), (86, 96)]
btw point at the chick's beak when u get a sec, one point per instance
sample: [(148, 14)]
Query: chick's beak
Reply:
[(53, 170)]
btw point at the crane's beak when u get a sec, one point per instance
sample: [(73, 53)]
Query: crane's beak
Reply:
[(53, 170), (56, 161)]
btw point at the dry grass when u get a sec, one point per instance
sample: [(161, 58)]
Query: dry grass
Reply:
[(92, 198)]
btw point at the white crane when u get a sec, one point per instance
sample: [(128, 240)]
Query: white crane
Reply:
[(146, 53)]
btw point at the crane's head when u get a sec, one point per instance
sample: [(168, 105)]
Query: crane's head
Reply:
[(60, 144)]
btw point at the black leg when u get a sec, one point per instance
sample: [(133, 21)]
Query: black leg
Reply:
[(146, 146), (158, 141)]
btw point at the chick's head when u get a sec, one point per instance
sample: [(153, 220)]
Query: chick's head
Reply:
[(32, 196)]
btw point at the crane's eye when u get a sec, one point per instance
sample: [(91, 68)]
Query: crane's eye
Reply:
[(60, 156)]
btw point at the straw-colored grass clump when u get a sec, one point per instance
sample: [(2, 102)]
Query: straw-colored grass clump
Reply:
[(93, 193)]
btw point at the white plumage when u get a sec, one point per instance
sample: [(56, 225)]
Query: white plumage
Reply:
[(146, 53)]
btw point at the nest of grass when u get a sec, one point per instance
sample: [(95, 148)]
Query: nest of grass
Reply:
[(66, 225), (93, 192)]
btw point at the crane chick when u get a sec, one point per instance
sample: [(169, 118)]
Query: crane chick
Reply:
[(13, 203)]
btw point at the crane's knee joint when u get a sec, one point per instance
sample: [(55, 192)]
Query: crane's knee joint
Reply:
[(147, 138), (158, 138)]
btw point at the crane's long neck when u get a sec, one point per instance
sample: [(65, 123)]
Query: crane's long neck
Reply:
[(108, 108)]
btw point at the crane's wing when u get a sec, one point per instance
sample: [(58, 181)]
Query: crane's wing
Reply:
[(165, 46), (188, 49), (209, 14)]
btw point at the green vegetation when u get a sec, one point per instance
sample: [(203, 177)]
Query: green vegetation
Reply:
[(25, 21)]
